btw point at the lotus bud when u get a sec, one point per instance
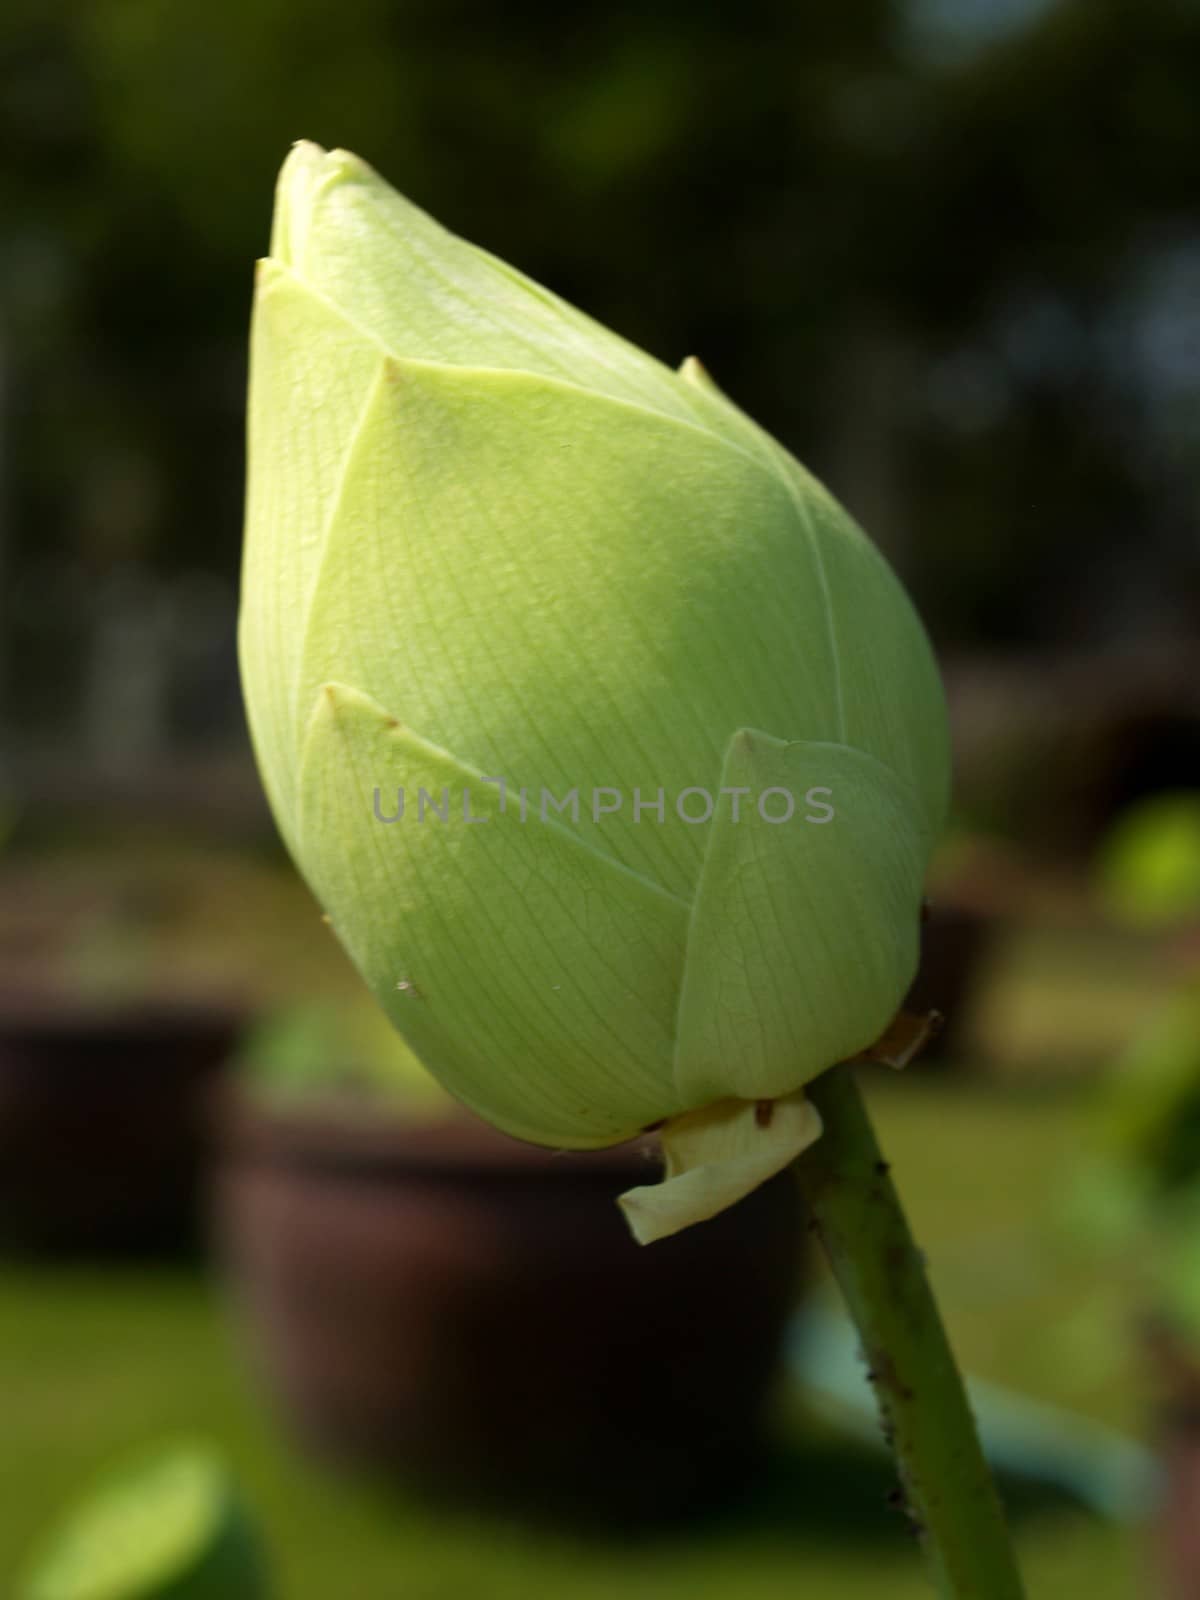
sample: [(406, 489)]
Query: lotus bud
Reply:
[(611, 747)]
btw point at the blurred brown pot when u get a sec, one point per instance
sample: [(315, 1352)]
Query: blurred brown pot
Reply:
[(102, 1120), (471, 1313)]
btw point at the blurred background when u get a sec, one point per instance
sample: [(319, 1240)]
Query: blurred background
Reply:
[(947, 250)]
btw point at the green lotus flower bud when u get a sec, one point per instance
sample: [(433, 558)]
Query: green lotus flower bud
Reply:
[(612, 748)]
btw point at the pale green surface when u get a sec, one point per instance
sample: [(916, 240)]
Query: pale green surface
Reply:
[(568, 932), (743, 1028), (486, 537)]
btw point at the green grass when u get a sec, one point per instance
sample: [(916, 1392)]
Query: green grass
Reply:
[(94, 1361)]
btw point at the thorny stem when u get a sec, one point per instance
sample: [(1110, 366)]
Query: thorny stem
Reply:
[(948, 1490)]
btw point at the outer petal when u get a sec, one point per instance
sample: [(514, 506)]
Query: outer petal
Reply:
[(890, 692), (571, 591), (311, 372), (804, 933), (536, 978), (890, 698), (427, 294)]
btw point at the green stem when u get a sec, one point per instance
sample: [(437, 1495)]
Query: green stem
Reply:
[(856, 1213)]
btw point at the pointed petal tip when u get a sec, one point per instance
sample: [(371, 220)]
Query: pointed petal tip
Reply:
[(298, 178), (748, 742), (342, 704), (307, 170), (345, 164), (692, 370), (903, 1039)]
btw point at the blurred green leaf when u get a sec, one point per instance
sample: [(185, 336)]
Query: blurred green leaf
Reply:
[(1149, 867)]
